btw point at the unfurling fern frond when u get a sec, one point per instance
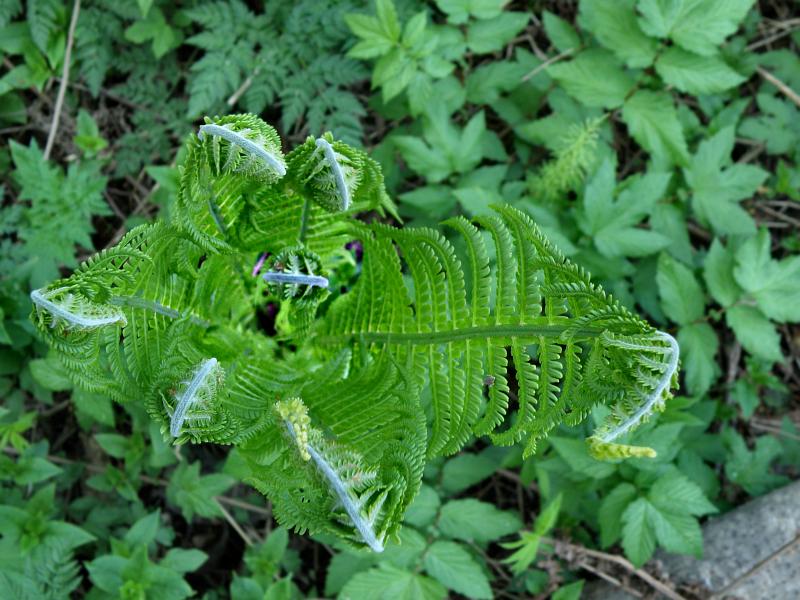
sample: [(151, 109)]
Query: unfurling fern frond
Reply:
[(335, 433), (571, 345)]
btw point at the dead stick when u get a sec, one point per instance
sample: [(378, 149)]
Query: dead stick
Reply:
[(62, 88)]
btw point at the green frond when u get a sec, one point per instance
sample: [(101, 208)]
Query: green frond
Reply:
[(332, 428)]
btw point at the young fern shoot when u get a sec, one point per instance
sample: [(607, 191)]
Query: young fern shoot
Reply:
[(295, 416), (200, 390), (172, 302), (74, 311)]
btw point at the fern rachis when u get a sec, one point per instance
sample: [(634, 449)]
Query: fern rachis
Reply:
[(335, 433)]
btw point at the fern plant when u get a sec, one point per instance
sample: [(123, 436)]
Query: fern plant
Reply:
[(330, 415)]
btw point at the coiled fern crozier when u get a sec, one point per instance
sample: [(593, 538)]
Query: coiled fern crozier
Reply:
[(332, 426)]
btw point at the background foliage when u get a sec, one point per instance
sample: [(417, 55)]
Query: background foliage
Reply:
[(656, 142)]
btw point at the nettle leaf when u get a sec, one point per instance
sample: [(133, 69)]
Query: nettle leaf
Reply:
[(755, 332), (778, 125), (560, 32), (695, 74), (699, 344), (446, 149), (613, 223), (459, 11), (615, 25), (594, 78), (638, 531), (390, 582), (653, 122), (717, 188), (696, 25), (718, 274), (193, 493), (751, 469), (473, 520), (682, 298), (454, 567), (610, 512), (775, 285), (493, 34)]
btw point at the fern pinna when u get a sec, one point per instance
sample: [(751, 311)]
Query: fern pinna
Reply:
[(333, 425)]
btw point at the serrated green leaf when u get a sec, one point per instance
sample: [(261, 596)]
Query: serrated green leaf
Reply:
[(682, 298), (615, 25), (473, 520), (674, 492), (466, 470), (390, 582), (697, 25), (718, 274), (594, 78), (699, 345), (755, 332), (653, 122), (717, 188), (455, 568), (638, 531), (775, 285), (493, 34), (695, 74), (459, 11), (560, 32), (611, 510)]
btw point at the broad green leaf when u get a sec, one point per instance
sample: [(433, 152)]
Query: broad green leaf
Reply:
[(774, 284), (594, 78), (454, 567), (717, 188), (493, 34), (459, 11), (751, 469), (653, 122), (375, 40), (342, 568), (678, 532), (697, 25), (144, 531), (682, 298), (388, 583), (183, 560), (695, 74), (560, 32), (613, 223), (755, 332), (465, 470), (615, 25), (424, 508), (576, 455), (674, 492), (50, 374), (193, 493), (473, 520), (571, 591), (777, 125), (610, 512), (699, 345), (638, 531), (718, 274)]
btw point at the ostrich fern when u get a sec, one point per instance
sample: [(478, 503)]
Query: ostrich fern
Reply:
[(334, 433)]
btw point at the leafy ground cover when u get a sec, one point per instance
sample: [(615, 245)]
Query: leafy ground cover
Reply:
[(656, 142)]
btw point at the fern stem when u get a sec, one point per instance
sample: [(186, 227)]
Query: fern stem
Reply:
[(156, 307), (249, 146), (304, 220), (647, 407), (189, 397), (336, 168), (550, 328)]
